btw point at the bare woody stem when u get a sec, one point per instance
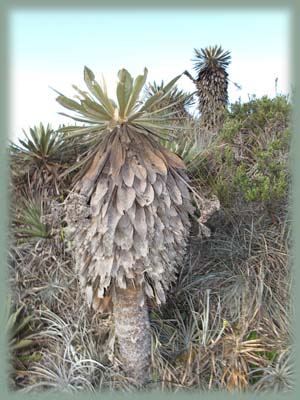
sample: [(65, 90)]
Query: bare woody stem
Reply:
[(189, 76), (132, 328)]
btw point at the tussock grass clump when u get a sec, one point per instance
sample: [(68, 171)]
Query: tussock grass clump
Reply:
[(227, 321)]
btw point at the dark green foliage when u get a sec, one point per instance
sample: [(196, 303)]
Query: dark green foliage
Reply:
[(250, 157), (262, 110)]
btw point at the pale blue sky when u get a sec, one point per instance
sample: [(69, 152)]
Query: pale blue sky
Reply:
[(50, 48)]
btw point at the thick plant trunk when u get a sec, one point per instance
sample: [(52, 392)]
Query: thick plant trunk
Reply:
[(132, 328)]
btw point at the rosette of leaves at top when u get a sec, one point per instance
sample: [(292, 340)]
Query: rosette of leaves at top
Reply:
[(128, 211), (39, 159)]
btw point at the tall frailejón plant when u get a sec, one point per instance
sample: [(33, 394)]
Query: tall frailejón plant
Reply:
[(211, 65), (128, 209)]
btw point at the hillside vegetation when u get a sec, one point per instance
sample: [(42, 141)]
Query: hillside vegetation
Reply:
[(226, 321)]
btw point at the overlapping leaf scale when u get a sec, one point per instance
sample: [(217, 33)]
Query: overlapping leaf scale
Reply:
[(138, 222)]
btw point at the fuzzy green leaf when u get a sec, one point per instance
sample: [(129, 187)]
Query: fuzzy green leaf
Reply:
[(124, 90), (88, 121), (74, 131), (96, 109), (69, 103), (137, 87), (97, 91)]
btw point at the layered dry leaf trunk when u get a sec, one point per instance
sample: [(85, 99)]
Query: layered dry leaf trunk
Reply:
[(132, 328), (130, 222), (212, 93)]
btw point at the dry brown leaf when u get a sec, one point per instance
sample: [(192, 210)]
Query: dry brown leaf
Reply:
[(157, 164), (147, 197), (158, 186), (151, 175), (139, 185), (131, 213), (175, 193), (113, 219), (140, 224), (158, 239), (183, 188), (148, 290), (117, 157), (166, 199), (159, 291), (127, 174), (137, 168), (125, 199), (98, 195), (124, 137), (173, 159), (149, 218), (124, 237), (140, 245), (124, 222), (86, 183), (108, 198)]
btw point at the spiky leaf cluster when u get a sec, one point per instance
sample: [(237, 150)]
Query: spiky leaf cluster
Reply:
[(41, 146), (211, 58), (179, 99), (128, 211), (27, 218), (39, 158)]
